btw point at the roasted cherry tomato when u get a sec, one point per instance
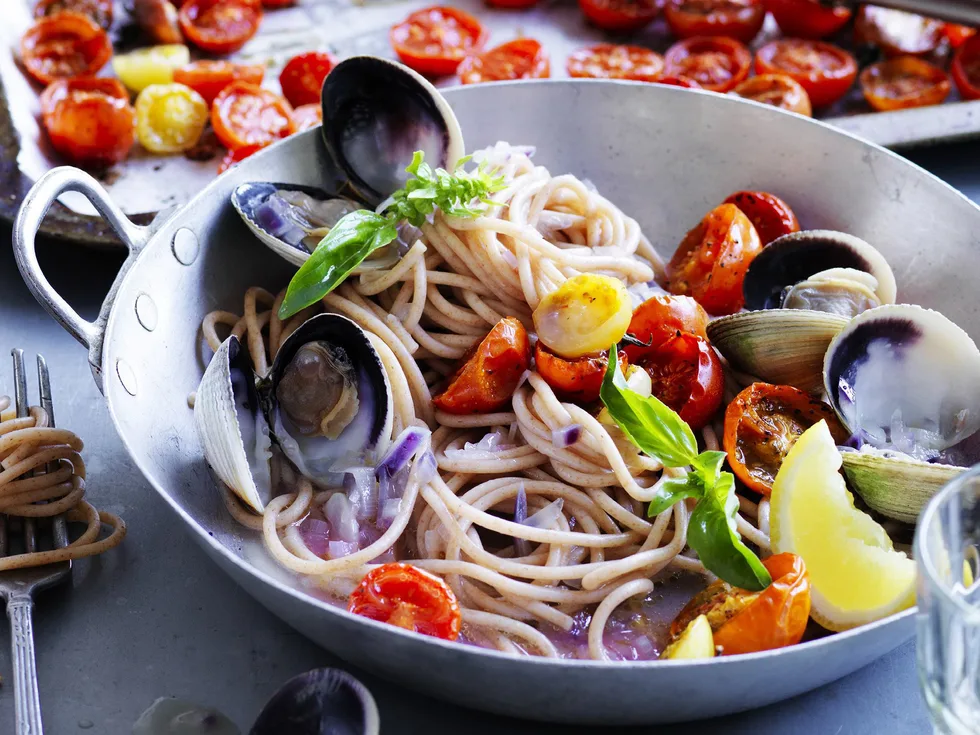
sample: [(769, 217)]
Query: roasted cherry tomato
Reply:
[(237, 156), (688, 376), (763, 423), (512, 4), (302, 77), (958, 34), (89, 121), (613, 61), (738, 19), (896, 32), (220, 26), (808, 18), (903, 82), (825, 71), (159, 21), (584, 315), (64, 46), (307, 116), (522, 58), (678, 82), (245, 114), (746, 622), (435, 40), (98, 10), (577, 380), (777, 90), (619, 15), (170, 118), (770, 215), (966, 69), (403, 595), (718, 64), (153, 65), (487, 380), (711, 261), (208, 78), (661, 318)]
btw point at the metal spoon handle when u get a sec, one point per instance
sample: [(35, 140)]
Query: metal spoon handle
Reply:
[(27, 701)]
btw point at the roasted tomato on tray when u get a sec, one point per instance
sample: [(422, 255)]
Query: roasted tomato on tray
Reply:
[(64, 46), (777, 90), (619, 15), (717, 64), (523, 58), (435, 40), (903, 82), (209, 77), (220, 26), (98, 10), (825, 71), (966, 69), (307, 116), (245, 114), (896, 32), (614, 61), (302, 77), (738, 19), (89, 122), (170, 118), (153, 65), (808, 18)]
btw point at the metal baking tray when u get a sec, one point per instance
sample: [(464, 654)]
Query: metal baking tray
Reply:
[(145, 185)]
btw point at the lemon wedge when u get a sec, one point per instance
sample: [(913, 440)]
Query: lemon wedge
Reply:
[(856, 576), (696, 641)]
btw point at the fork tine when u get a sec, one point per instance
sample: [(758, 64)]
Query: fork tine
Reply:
[(59, 527), (20, 383)]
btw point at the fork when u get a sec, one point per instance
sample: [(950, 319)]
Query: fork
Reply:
[(18, 586)]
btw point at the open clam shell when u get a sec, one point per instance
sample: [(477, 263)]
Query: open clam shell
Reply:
[(320, 702)]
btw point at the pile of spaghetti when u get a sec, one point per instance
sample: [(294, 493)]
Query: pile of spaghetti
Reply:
[(581, 541), (42, 475)]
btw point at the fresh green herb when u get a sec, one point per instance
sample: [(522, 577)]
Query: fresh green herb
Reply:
[(659, 432), (360, 233)]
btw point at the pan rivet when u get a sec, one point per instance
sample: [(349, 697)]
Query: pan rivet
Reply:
[(185, 246), (126, 376), (146, 312)]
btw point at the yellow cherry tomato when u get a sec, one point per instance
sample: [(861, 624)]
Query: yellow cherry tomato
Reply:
[(697, 641), (586, 314), (154, 65), (170, 118)]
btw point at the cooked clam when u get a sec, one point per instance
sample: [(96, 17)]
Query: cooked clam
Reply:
[(320, 702)]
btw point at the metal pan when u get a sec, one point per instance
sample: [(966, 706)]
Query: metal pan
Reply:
[(665, 156)]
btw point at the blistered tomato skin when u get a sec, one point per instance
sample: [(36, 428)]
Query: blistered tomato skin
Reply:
[(825, 71), (64, 46), (585, 315), (687, 375), (433, 41), (661, 318), (302, 77), (410, 598), (220, 26), (522, 58), (577, 380), (619, 15), (966, 69), (209, 77), (777, 90), (89, 121), (807, 18), (245, 115), (738, 19), (716, 63), (770, 215), (98, 10), (904, 82)]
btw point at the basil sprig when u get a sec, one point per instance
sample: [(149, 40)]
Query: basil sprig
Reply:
[(360, 233), (659, 432)]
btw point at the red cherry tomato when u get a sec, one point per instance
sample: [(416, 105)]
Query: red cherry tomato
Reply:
[(89, 121), (98, 10), (807, 18), (777, 90), (159, 20), (522, 58), (237, 156), (64, 46), (434, 41), (302, 77), (688, 376), (613, 61), (711, 261), (403, 595), (717, 64), (738, 19), (576, 380), (678, 82), (307, 116), (958, 34), (208, 78), (661, 318), (619, 15), (770, 215), (825, 71), (220, 26), (898, 33), (245, 114), (966, 69), (903, 82), (485, 382)]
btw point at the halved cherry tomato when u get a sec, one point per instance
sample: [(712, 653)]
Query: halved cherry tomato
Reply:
[(307, 116), (159, 20), (770, 215), (487, 380), (170, 118), (746, 622), (237, 156), (896, 32), (619, 15), (512, 4), (661, 318), (576, 380), (403, 595), (958, 34), (208, 78), (711, 261), (678, 82), (302, 77), (435, 40), (777, 90), (903, 82), (98, 10), (688, 376), (763, 423), (64, 46), (522, 58), (808, 18), (966, 69), (738, 19), (718, 64), (825, 71), (220, 26), (245, 114), (89, 121), (614, 61), (151, 65)]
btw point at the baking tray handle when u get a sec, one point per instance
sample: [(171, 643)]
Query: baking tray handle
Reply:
[(36, 204)]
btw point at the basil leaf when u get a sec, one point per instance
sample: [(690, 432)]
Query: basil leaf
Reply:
[(707, 466), (712, 534), (649, 423), (673, 490), (348, 243)]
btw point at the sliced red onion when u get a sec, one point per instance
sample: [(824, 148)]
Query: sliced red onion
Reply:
[(566, 436), (362, 491), (402, 450), (426, 468), (547, 517), (315, 534), (493, 441), (522, 547), (390, 491), (340, 515), (338, 549)]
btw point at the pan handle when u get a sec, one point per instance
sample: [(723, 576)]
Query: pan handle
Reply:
[(36, 204)]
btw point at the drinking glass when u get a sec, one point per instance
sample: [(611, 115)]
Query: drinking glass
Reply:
[(946, 550)]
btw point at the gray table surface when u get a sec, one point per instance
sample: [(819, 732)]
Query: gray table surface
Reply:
[(154, 618)]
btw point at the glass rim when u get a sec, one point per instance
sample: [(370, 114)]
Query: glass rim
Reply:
[(920, 552)]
